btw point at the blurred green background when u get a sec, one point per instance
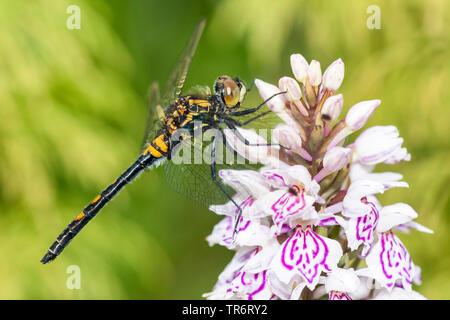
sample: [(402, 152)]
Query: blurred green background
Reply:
[(72, 110)]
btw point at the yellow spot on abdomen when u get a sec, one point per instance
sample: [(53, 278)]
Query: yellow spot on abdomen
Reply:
[(153, 152), (80, 216), (159, 142), (96, 199)]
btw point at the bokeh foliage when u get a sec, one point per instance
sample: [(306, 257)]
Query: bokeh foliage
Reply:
[(72, 110)]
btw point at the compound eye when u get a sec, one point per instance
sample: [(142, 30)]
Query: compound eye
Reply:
[(231, 93)]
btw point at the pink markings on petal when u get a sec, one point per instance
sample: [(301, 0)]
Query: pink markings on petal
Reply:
[(337, 295), (390, 263), (285, 228), (328, 222), (366, 225), (395, 261), (290, 203), (223, 232), (249, 285), (275, 179), (307, 253)]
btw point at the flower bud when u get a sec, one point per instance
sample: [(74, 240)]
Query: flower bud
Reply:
[(332, 107), (266, 90), (299, 67), (287, 137), (314, 73), (333, 76), (291, 86), (360, 113), (334, 160), (278, 103), (356, 118)]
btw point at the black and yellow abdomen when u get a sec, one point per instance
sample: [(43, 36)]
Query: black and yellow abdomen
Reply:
[(90, 211)]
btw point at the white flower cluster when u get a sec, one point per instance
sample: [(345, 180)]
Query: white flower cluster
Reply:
[(311, 225)]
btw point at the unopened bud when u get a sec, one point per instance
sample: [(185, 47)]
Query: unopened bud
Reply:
[(335, 159), (314, 73), (360, 113), (292, 87), (299, 67), (332, 107), (333, 76)]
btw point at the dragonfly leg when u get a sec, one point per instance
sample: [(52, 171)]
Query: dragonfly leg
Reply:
[(251, 86), (241, 124), (214, 177), (231, 125), (248, 111), (169, 150)]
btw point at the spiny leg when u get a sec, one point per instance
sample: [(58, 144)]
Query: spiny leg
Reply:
[(252, 110), (241, 124), (231, 125), (213, 176), (251, 86)]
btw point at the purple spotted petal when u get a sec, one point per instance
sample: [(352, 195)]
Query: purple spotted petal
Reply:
[(250, 233), (240, 258), (353, 206), (285, 206), (250, 286), (389, 262), (307, 254), (336, 295), (361, 230)]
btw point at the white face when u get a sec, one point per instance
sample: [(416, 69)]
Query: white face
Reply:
[(243, 92)]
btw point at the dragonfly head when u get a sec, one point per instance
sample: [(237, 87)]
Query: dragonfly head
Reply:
[(231, 90)]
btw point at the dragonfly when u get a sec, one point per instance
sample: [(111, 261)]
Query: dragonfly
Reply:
[(191, 113)]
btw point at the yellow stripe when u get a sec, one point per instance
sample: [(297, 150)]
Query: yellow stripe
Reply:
[(80, 216), (187, 120), (153, 151), (159, 142), (201, 103), (96, 199)]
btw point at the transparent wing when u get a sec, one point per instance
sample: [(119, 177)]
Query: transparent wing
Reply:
[(173, 87), (189, 171), (268, 120), (155, 114), (199, 91), (176, 80)]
